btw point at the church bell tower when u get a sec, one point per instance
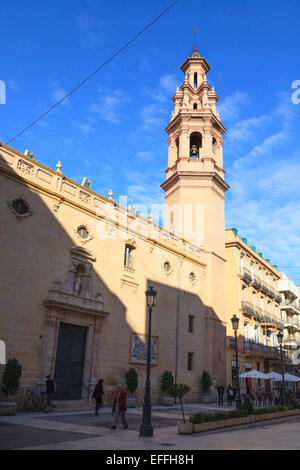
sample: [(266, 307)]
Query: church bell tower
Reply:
[(195, 193), (195, 183)]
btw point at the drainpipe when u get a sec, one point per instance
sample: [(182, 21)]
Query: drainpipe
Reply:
[(177, 322)]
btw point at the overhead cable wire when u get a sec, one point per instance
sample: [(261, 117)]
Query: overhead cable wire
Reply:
[(94, 73)]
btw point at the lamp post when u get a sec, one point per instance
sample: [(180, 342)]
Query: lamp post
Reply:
[(235, 325), (146, 428), (283, 392)]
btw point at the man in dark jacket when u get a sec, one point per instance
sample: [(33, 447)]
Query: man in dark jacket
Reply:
[(120, 407), (221, 391), (50, 389), (97, 395)]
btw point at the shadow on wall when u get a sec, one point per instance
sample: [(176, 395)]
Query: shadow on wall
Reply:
[(58, 315)]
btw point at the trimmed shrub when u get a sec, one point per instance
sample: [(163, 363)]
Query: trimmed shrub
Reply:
[(205, 381), (218, 416), (167, 381), (11, 378), (131, 378)]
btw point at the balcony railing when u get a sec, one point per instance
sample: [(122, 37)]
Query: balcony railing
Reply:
[(246, 275), (264, 288), (259, 348), (256, 282), (248, 309), (271, 293), (292, 306), (278, 298)]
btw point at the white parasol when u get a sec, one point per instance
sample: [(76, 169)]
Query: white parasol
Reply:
[(274, 375), (252, 374), (287, 378)]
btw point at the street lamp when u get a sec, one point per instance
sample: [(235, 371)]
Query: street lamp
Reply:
[(283, 392), (146, 428), (235, 325)]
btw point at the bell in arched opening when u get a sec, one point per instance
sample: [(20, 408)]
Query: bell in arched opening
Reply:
[(195, 144)]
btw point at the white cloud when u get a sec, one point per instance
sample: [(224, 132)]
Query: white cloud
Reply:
[(246, 128), (230, 107), (91, 31), (169, 83), (109, 106), (57, 93)]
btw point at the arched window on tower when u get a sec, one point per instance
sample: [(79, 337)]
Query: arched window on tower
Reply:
[(177, 148), (195, 144), (214, 146), (195, 80)]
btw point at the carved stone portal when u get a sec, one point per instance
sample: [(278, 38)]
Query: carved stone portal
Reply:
[(74, 301)]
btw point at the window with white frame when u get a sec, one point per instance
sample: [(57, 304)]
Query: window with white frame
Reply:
[(252, 270), (128, 257), (242, 263)]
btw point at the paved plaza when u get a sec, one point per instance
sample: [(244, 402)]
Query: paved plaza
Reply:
[(85, 431)]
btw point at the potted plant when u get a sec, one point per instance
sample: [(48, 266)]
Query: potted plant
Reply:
[(178, 391), (131, 378), (206, 383), (10, 386), (167, 381)]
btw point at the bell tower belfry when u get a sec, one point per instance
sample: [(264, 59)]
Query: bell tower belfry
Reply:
[(195, 183)]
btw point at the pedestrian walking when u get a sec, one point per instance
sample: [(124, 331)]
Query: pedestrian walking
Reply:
[(97, 395), (50, 389), (119, 407), (230, 394), (221, 391)]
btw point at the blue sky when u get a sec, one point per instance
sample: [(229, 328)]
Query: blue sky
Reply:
[(112, 129)]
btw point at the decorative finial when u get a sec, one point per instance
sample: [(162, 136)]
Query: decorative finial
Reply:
[(195, 52), (218, 115), (195, 43), (150, 218), (59, 167), (110, 194)]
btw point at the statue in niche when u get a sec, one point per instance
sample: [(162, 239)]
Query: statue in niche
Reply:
[(77, 284)]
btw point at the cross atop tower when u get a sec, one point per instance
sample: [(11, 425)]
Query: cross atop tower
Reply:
[(195, 49)]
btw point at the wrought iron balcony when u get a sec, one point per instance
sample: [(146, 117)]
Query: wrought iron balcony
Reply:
[(258, 314), (278, 298), (252, 346), (271, 293), (248, 309), (246, 275), (264, 288), (255, 282)]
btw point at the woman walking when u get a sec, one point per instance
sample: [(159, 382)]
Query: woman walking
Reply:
[(97, 395)]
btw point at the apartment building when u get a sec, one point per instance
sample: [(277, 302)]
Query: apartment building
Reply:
[(252, 295)]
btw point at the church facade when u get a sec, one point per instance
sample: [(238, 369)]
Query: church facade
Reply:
[(75, 265)]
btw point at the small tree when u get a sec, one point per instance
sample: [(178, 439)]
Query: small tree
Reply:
[(131, 378), (205, 381), (178, 391), (247, 405), (11, 378), (167, 381)]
